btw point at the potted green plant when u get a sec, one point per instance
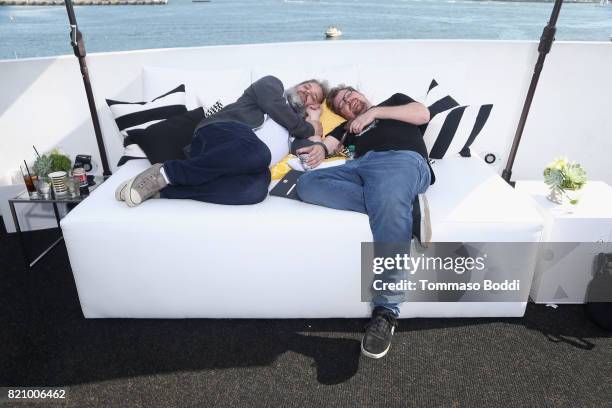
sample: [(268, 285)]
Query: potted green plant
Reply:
[(60, 161), (42, 167), (565, 180)]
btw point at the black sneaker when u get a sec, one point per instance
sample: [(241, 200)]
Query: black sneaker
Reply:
[(421, 221), (379, 332)]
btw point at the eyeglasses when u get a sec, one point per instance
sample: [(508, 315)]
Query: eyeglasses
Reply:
[(344, 100)]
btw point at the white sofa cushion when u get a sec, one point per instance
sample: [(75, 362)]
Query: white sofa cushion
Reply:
[(203, 87), (293, 75), (469, 202)]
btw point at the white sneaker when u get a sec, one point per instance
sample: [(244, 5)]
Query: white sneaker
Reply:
[(144, 186)]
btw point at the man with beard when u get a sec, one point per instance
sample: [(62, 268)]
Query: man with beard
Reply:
[(231, 152), (390, 172)]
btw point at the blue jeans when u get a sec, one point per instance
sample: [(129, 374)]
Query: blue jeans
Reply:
[(380, 184), (228, 165)]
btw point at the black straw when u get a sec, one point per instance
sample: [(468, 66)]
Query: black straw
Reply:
[(38, 154), (27, 168)]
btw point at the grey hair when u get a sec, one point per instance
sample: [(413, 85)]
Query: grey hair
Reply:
[(322, 83)]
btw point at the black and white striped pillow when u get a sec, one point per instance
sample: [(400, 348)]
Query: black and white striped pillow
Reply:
[(140, 115), (452, 128), (438, 100)]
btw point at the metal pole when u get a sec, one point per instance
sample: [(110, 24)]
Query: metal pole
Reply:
[(546, 41), (76, 40)]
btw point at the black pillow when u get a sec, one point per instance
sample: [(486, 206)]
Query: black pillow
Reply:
[(165, 140)]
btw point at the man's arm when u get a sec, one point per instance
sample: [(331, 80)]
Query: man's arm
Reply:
[(316, 152), (332, 144), (413, 112), (410, 112), (313, 116), (268, 93)]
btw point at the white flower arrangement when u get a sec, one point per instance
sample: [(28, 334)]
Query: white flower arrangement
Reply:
[(562, 176)]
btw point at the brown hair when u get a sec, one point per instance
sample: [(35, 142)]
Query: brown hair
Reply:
[(331, 95)]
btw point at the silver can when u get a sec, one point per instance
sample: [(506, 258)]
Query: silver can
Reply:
[(304, 161)]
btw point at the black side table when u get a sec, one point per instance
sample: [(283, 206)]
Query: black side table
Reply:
[(24, 198)]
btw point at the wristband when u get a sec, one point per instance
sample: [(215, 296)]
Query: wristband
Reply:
[(324, 148)]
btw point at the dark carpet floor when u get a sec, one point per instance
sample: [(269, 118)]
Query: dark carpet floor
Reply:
[(549, 358)]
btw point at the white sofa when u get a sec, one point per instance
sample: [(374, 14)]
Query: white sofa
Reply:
[(187, 259), (183, 259)]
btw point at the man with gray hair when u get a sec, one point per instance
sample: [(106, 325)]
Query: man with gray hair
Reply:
[(232, 151)]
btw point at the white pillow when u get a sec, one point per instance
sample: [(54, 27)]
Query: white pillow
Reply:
[(380, 81), (293, 75), (204, 87)]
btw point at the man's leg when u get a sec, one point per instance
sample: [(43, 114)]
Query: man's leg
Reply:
[(232, 190), (219, 149), (338, 187), (391, 182)]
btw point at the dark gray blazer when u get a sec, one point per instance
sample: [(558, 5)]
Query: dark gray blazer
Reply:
[(264, 96)]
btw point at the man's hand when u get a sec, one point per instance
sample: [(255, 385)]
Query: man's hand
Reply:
[(315, 153), (315, 138), (362, 121), (313, 112)]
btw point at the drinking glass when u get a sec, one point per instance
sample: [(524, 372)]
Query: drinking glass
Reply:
[(43, 188), (30, 182), (73, 187)]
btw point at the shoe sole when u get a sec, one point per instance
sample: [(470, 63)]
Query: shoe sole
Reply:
[(128, 195), (379, 355), (120, 191), (372, 355), (425, 221)]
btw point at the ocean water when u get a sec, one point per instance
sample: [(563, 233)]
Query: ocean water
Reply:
[(43, 31)]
